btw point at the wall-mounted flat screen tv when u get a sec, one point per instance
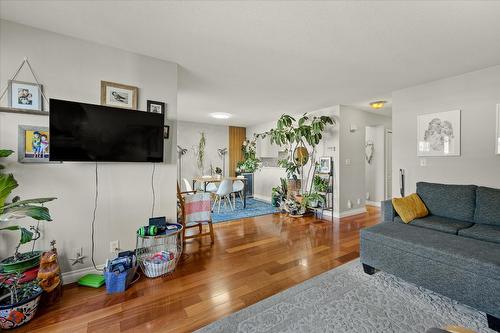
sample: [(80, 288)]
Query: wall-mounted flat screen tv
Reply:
[(83, 132)]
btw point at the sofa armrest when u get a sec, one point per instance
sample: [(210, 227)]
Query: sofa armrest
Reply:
[(388, 213)]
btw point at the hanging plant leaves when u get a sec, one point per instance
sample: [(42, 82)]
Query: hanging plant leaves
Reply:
[(7, 184), (6, 152), (36, 212)]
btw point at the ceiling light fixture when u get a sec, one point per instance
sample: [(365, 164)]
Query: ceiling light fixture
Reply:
[(220, 115), (377, 104)]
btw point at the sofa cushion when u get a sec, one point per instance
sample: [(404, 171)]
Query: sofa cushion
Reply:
[(478, 257), (410, 208), (453, 201), (485, 232), (439, 223), (487, 206)]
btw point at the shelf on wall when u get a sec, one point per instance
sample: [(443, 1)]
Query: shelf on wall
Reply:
[(23, 111)]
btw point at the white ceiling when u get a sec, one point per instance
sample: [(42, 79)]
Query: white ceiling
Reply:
[(257, 60)]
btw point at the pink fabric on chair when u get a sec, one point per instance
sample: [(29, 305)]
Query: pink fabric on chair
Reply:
[(197, 208)]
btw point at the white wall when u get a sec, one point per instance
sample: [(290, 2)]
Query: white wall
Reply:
[(72, 69), (476, 94), (352, 155), (188, 137), (374, 171)]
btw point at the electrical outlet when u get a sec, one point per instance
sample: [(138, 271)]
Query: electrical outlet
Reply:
[(359, 201), (349, 204), (348, 161), (114, 246), (423, 162)]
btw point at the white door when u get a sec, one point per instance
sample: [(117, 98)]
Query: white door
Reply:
[(388, 164)]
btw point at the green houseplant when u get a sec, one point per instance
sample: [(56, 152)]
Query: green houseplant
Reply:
[(300, 138), (320, 184), (200, 152), (279, 193), (19, 297), (250, 162)]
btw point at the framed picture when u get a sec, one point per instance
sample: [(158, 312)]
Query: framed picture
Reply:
[(166, 132), (33, 144), (119, 95), (325, 164), (497, 141), (156, 107), (438, 134), (25, 95)]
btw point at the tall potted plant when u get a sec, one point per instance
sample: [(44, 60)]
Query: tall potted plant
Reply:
[(300, 138), (19, 295)]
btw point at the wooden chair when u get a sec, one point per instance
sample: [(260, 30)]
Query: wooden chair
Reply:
[(195, 213)]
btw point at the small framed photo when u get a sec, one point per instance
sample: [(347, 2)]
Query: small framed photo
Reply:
[(325, 164), (497, 141), (25, 95), (119, 95), (166, 132), (156, 107), (33, 144)]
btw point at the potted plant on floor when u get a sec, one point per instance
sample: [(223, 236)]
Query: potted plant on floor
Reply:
[(19, 295), (279, 193), (300, 138)]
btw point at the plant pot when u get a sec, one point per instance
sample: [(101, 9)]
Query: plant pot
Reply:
[(30, 260), (294, 186), (275, 200), (15, 315)]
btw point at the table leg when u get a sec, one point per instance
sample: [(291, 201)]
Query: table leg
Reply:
[(244, 195), (194, 183)]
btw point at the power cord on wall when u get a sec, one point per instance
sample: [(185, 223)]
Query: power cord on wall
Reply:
[(94, 216), (153, 190)]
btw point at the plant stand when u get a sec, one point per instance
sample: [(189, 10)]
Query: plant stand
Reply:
[(329, 195)]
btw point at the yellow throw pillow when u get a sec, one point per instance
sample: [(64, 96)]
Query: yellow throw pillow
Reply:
[(410, 207)]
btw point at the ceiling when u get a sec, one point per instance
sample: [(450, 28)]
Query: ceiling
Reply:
[(257, 60)]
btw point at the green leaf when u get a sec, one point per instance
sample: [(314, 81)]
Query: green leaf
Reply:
[(5, 152), (26, 235), (7, 184), (18, 212), (28, 202)]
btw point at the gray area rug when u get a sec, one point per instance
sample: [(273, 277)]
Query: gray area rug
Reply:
[(347, 300)]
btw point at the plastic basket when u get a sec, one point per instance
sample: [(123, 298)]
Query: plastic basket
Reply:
[(119, 282), (149, 246)]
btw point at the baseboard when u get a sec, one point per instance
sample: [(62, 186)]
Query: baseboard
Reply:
[(351, 212), (373, 203), (74, 276), (262, 198)]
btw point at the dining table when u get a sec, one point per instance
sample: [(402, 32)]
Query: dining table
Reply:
[(215, 179)]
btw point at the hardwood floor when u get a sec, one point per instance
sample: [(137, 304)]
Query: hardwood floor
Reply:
[(251, 259)]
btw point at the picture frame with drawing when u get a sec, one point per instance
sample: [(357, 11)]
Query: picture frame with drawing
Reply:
[(33, 144), (439, 134), (325, 165), (156, 107), (25, 95), (119, 95)]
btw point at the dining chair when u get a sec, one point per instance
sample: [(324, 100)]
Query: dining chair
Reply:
[(223, 193), (187, 185), (195, 211), (238, 187)]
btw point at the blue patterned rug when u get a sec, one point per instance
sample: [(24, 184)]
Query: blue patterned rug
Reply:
[(254, 208)]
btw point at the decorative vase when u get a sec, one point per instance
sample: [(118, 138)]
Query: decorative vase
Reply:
[(15, 315)]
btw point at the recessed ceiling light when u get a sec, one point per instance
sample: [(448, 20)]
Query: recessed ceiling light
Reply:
[(220, 115), (377, 104)]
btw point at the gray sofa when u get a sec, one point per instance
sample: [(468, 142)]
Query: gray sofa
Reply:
[(454, 251)]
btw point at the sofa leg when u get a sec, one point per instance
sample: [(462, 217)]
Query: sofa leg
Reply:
[(493, 322), (368, 269)]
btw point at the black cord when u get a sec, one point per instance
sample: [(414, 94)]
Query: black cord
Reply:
[(153, 190), (94, 216)]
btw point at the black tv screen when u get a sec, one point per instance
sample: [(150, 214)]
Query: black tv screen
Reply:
[(87, 132)]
